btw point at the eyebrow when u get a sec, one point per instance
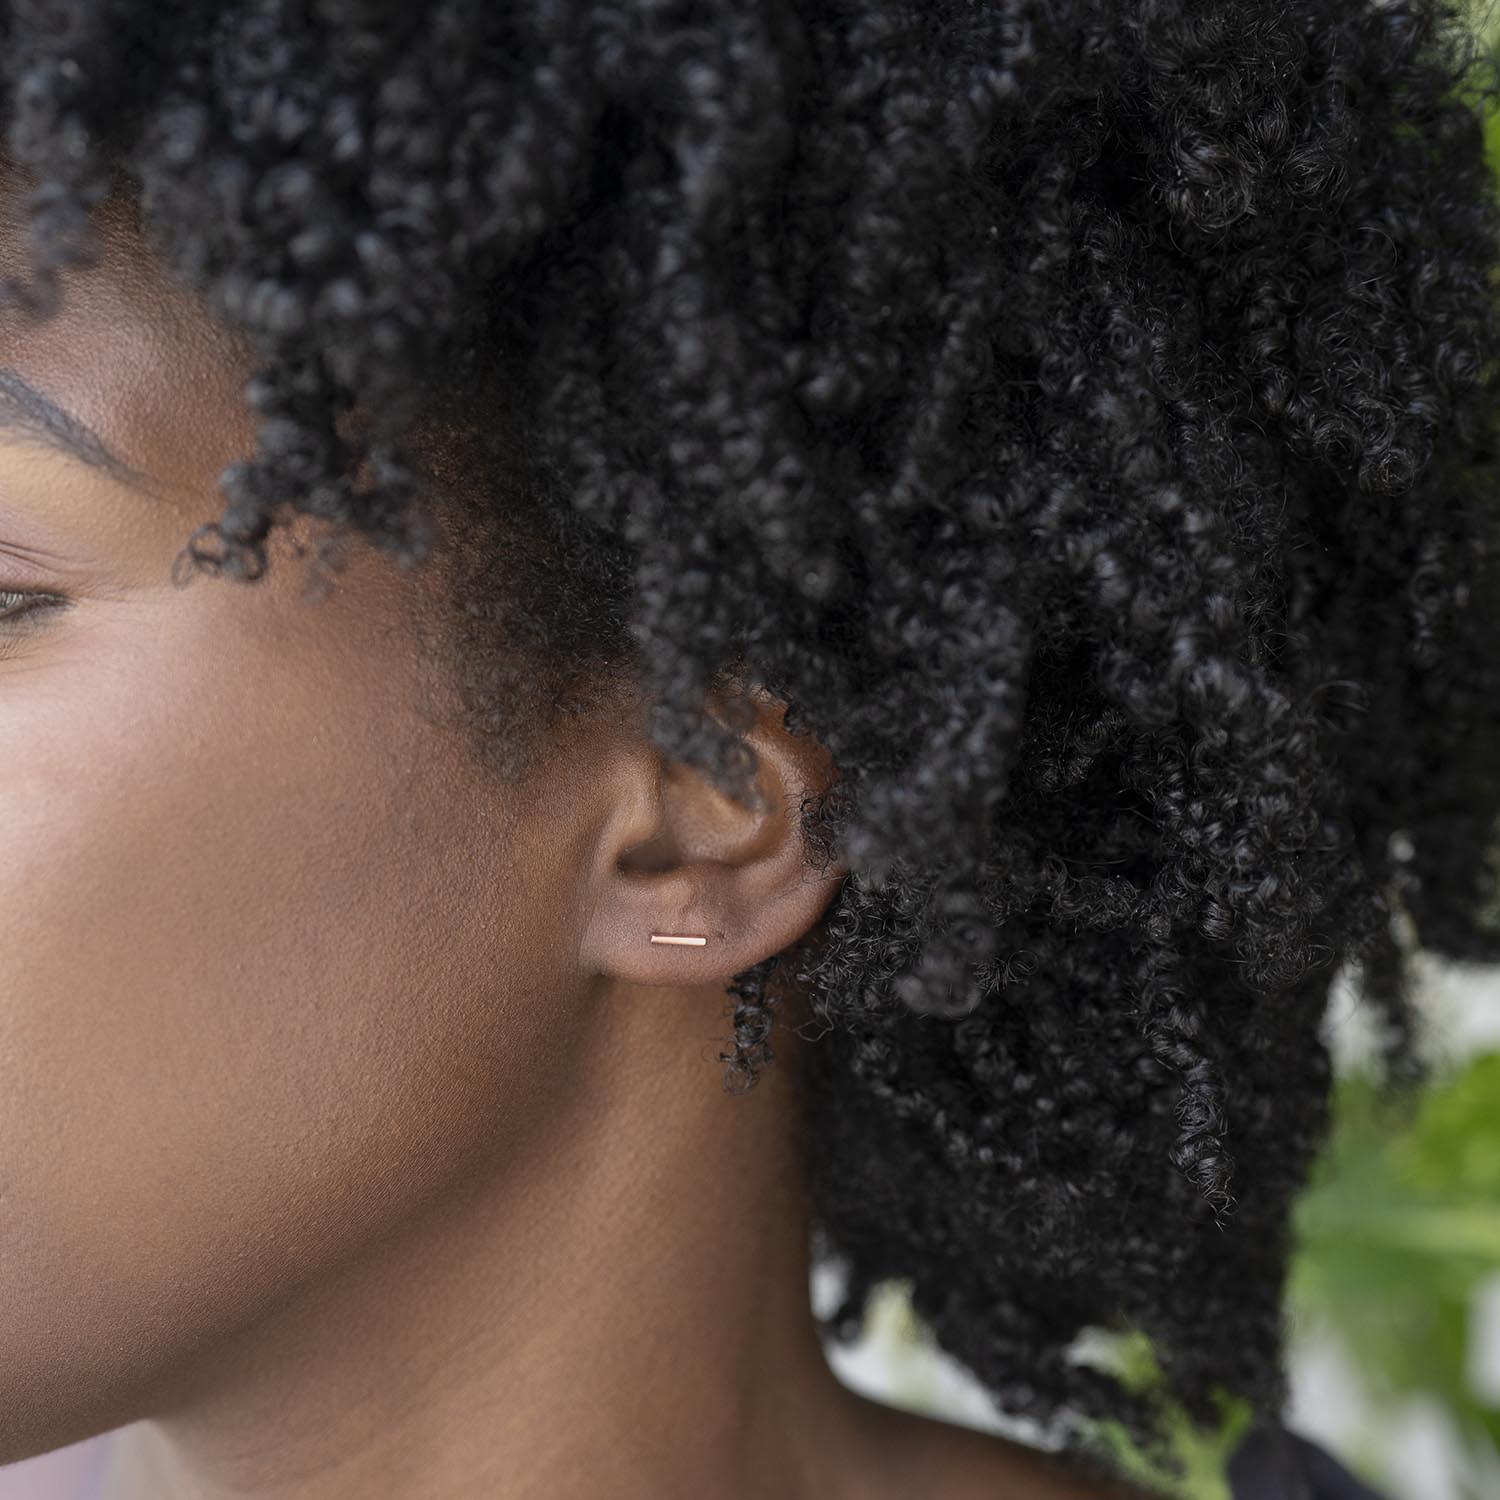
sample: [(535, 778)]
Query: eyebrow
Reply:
[(31, 415)]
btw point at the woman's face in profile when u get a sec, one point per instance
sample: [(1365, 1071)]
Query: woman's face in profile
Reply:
[(330, 1114), (265, 923), (1075, 421)]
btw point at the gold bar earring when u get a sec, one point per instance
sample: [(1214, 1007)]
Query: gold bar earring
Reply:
[(681, 942)]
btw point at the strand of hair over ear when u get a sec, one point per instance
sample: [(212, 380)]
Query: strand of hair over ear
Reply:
[(749, 1049)]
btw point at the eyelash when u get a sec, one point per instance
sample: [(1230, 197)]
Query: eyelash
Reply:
[(27, 604)]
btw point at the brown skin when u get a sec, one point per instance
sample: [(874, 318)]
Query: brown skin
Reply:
[(356, 1140)]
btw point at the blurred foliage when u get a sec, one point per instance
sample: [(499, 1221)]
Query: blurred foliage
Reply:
[(1400, 1243), (1194, 1467), (1398, 1256)]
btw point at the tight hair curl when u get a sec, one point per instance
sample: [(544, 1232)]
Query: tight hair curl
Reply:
[(1080, 414)]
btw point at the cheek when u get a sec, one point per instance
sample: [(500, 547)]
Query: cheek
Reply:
[(266, 983)]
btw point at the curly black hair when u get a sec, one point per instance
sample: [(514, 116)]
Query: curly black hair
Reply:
[(1081, 415)]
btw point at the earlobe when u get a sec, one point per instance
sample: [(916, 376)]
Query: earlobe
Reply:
[(691, 888)]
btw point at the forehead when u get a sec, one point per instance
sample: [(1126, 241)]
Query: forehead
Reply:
[(131, 352)]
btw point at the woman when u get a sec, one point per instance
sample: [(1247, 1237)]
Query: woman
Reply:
[(561, 561)]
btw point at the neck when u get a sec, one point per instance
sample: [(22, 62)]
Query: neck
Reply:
[(623, 1311)]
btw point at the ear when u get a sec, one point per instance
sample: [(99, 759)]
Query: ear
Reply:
[(679, 858)]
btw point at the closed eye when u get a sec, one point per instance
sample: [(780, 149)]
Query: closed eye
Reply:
[(17, 605)]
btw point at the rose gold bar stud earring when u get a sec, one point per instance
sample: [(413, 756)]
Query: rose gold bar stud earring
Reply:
[(681, 942)]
